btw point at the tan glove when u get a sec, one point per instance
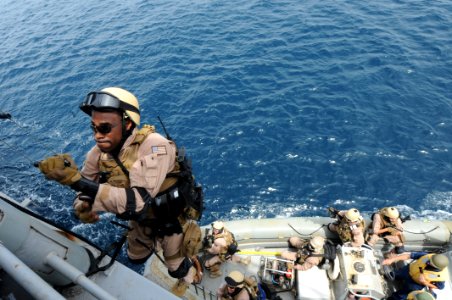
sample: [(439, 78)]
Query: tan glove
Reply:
[(61, 168), (83, 210)]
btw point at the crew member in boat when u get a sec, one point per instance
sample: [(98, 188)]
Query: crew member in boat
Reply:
[(349, 226), (386, 224), (428, 270), (233, 288), (308, 255), (136, 174), (220, 246)]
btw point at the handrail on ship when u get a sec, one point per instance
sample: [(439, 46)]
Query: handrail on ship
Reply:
[(38, 287), (25, 276)]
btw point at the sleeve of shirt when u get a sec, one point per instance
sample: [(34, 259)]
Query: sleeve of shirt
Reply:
[(376, 223), (90, 169), (156, 158), (310, 262), (399, 224), (416, 255)]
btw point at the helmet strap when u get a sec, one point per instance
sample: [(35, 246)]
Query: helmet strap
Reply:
[(124, 135)]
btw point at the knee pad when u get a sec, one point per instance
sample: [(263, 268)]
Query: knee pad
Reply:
[(184, 266)]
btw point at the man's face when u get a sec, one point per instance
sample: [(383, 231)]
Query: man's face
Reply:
[(393, 220), (107, 127)]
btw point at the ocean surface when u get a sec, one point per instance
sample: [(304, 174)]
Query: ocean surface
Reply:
[(286, 107)]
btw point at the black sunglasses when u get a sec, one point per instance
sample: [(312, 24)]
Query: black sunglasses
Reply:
[(103, 128)]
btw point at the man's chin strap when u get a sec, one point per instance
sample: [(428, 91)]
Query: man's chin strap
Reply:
[(89, 187)]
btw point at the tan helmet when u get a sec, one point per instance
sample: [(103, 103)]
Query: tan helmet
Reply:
[(113, 98), (218, 225), (439, 261), (391, 212), (317, 243), (423, 295), (235, 279), (353, 215)]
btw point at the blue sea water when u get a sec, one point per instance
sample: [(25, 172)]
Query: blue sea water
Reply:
[(286, 107)]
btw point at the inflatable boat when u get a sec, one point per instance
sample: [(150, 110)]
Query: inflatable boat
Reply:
[(356, 271)]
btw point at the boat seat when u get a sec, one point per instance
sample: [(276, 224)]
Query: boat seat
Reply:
[(313, 284)]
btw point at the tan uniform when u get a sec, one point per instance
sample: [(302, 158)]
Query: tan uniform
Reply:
[(155, 158), (394, 236), (222, 293), (307, 262), (352, 232), (219, 246)]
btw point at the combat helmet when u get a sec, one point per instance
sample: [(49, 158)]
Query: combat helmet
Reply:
[(235, 279), (423, 296), (391, 212), (113, 98), (317, 243), (439, 261), (218, 225), (353, 215)]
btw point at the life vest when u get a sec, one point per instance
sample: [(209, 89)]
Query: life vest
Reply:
[(420, 266), (344, 231), (254, 290)]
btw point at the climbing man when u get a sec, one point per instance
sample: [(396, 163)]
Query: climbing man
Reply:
[(140, 176)]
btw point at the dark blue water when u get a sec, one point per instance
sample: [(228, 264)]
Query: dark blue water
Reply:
[(286, 107)]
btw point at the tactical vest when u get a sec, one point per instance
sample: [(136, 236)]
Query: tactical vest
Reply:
[(252, 287), (113, 173), (304, 253), (420, 265), (178, 199), (344, 231)]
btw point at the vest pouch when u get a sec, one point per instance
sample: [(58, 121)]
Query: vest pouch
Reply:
[(194, 199), (192, 239), (120, 181), (168, 205)]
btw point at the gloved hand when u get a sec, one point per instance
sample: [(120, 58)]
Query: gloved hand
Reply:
[(83, 209), (393, 231), (61, 168)]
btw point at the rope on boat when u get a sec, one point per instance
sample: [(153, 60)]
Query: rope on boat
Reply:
[(422, 232), (306, 235)]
